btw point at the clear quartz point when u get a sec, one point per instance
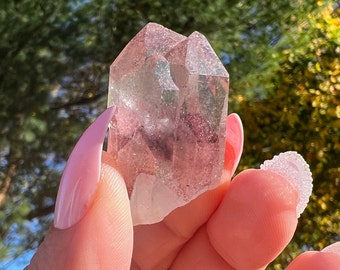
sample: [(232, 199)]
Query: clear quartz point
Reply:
[(168, 131)]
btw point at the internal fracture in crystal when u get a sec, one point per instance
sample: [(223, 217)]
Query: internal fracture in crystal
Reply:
[(168, 131)]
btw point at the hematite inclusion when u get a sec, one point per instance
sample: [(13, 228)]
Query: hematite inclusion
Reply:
[(168, 131)]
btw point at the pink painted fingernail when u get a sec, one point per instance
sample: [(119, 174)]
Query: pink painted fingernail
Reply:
[(234, 143), (82, 173)]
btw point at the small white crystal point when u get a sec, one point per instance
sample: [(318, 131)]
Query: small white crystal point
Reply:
[(292, 166)]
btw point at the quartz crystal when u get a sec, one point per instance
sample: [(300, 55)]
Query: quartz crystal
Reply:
[(167, 134)]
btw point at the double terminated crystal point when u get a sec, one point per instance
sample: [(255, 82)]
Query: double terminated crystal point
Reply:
[(168, 131)]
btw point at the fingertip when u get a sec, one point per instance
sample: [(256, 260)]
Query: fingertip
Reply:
[(110, 218), (315, 260), (255, 220), (102, 239), (335, 248)]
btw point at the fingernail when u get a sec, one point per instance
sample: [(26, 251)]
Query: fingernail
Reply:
[(234, 143), (82, 173)]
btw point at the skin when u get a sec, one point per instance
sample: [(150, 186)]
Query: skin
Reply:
[(242, 224)]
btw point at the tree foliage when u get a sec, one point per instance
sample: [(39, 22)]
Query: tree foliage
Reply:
[(282, 56), (301, 112)]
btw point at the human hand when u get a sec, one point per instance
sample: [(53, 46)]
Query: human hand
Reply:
[(243, 224)]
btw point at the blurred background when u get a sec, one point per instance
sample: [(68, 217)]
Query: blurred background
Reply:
[(284, 62)]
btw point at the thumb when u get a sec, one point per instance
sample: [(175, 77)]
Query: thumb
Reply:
[(92, 227), (102, 239)]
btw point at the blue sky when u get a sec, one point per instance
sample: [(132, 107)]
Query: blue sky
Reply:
[(19, 262)]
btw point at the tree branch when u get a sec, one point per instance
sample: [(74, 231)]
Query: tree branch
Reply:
[(9, 175), (40, 212), (78, 102)]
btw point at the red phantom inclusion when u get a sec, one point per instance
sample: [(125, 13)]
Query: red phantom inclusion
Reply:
[(168, 131)]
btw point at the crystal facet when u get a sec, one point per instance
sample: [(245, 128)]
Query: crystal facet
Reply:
[(168, 131)]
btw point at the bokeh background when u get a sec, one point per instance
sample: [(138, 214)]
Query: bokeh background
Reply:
[(284, 62)]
